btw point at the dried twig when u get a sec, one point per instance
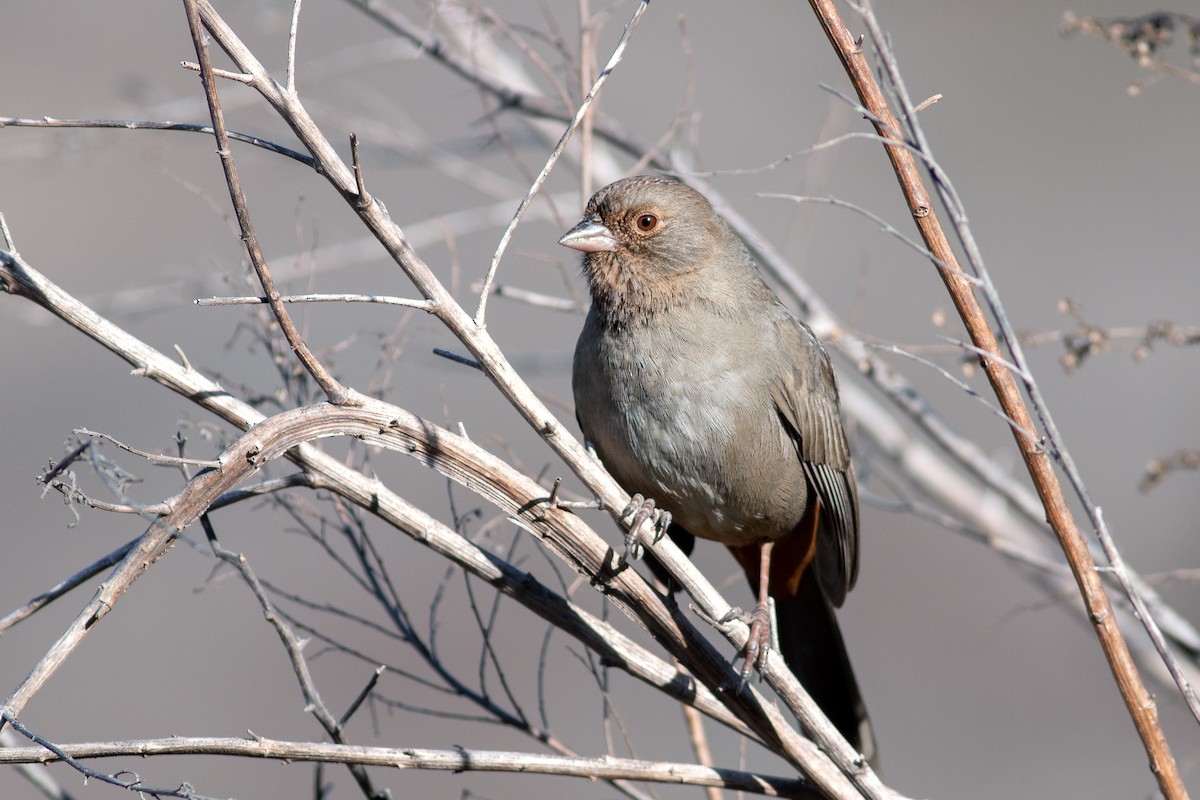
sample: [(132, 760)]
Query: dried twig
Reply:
[(585, 104), (1144, 38), (332, 388), (456, 760)]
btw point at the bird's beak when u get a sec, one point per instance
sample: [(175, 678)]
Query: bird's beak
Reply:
[(589, 236)]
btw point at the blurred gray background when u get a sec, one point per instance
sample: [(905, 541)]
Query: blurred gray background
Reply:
[(980, 685)]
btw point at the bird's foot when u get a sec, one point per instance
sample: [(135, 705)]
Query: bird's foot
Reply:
[(642, 509), (759, 642)]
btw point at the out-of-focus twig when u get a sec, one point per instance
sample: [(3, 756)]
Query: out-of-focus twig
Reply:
[(1144, 38)]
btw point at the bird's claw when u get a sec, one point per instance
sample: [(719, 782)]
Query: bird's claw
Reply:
[(642, 509), (758, 643)]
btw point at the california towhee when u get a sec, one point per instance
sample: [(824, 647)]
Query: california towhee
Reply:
[(699, 389)]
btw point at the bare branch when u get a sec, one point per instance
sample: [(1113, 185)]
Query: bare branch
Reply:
[(457, 760), (974, 395), (153, 458), (294, 647), (293, 29), (332, 388), (150, 125), (380, 299), (240, 77), (62, 587), (124, 779)]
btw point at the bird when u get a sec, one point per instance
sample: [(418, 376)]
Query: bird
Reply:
[(697, 388)]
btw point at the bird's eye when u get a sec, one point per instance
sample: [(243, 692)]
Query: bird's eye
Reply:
[(646, 222)]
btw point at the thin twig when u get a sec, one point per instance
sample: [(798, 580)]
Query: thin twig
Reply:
[(334, 390), (293, 29), (538, 299), (380, 299), (5, 233), (123, 779), (458, 359), (153, 458), (240, 77), (65, 585), (587, 66), (614, 59), (1012, 423), (65, 462), (74, 495), (1143, 38), (699, 739), (883, 224), (360, 180), (153, 125), (294, 648)]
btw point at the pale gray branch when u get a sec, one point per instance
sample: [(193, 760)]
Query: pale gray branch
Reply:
[(606, 768)]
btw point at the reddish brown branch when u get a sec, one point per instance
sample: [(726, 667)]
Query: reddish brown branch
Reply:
[(1140, 703)]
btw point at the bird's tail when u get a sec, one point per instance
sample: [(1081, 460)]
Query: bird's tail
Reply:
[(811, 644)]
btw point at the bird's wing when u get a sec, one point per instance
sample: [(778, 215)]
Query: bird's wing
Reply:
[(806, 397)]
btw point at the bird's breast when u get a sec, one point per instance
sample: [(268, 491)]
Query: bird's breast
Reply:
[(678, 415)]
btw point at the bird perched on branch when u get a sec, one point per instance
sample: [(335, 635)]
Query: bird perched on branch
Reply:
[(699, 389)]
